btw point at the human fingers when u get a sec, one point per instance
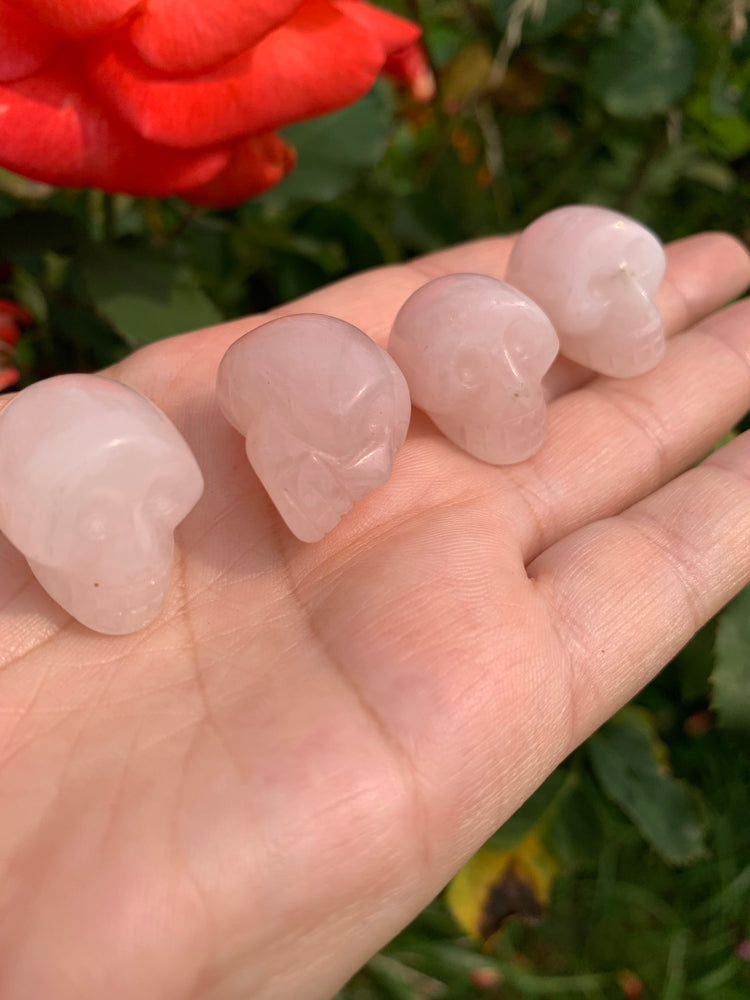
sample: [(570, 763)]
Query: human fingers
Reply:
[(704, 271), (626, 593), (369, 300), (614, 441)]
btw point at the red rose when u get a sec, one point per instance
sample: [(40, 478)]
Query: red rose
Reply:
[(11, 315), (161, 97)]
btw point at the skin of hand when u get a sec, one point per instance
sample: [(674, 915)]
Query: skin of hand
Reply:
[(251, 796)]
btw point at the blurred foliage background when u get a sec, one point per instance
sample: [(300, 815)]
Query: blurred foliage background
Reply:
[(640, 105), (628, 873)]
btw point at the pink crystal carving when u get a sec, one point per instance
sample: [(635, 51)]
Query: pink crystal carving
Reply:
[(474, 351), (93, 481), (323, 409), (595, 273)]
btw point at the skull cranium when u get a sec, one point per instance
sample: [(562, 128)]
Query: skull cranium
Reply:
[(474, 351), (595, 273), (94, 481), (324, 411)]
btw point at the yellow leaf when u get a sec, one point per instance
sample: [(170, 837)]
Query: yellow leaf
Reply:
[(497, 885), (467, 74)]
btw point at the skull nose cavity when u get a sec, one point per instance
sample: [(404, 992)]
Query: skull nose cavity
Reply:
[(310, 497), (318, 482)]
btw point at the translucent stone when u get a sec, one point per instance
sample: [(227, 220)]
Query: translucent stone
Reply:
[(324, 411), (474, 351), (595, 273), (93, 481)]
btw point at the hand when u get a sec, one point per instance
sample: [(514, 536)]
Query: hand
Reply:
[(250, 797)]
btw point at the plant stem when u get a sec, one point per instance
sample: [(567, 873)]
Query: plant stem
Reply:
[(655, 144), (110, 217)]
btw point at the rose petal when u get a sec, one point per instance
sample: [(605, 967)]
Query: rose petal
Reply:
[(393, 32), (8, 377), (9, 333), (13, 312), (77, 18), (317, 61), (36, 107), (151, 170), (410, 66), (400, 40), (53, 132), (255, 164), (25, 45), (179, 36)]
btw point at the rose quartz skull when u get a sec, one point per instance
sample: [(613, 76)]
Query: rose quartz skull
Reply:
[(474, 351), (595, 273), (324, 411), (93, 481)]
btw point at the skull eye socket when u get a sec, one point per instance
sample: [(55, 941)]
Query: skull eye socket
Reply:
[(520, 343), (375, 418), (369, 413), (469, 366), (101, 518), (160, 502)]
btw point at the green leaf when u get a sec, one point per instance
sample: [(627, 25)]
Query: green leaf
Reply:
[(23, 188), (625, 7), (554, 16), (332, 151), (28, 291), (730, 679), (728, 135), (545, 800), (628, 759), (143, 293), (693, 664), (712, 173), (644, 69), (576, 831)]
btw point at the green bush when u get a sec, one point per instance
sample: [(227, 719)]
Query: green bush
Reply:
[(638, 105)]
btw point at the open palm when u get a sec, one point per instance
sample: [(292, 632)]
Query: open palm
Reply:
[(251, 796)]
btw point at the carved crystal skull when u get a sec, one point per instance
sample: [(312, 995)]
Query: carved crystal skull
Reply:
[(323, 409), (474, 351), (93, 481), (595, 273)]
